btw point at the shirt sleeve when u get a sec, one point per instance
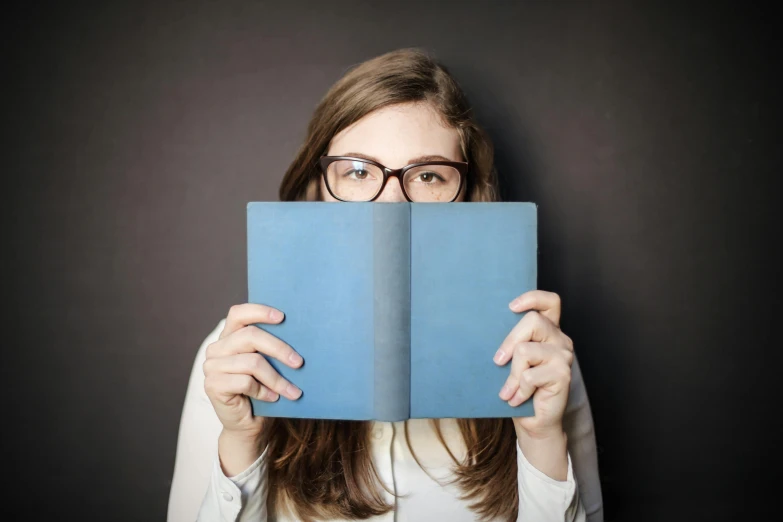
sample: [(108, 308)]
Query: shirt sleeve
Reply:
[(199, 430), (544, 499), (236, 499), (578, 425)]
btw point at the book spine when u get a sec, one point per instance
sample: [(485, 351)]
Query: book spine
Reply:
[(392, 310)]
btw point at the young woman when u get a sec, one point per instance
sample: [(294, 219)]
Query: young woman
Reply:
[(398, 111)]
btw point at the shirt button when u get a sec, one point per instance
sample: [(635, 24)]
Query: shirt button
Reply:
[(227, 497), (378, 433)]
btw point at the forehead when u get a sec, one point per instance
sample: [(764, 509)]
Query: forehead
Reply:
[(396, 134)]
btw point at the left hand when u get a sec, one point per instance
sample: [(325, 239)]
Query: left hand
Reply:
[(541, 356)]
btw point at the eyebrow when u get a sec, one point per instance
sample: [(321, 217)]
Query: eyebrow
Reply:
[(419, 159)]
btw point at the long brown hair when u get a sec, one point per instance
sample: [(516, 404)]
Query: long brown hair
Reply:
[(324, 469)]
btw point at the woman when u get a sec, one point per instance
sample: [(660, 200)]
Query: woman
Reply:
[(395, 110)]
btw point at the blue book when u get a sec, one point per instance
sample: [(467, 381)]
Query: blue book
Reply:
[(396, 308)]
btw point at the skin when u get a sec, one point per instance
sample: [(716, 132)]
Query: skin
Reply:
[(537, 352)]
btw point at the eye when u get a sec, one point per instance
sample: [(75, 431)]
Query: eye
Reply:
[(429, 177), (359, 174)]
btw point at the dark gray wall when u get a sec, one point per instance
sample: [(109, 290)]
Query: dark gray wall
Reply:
[(134, 136)]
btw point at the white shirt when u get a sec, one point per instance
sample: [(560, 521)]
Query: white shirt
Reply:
[(201, 491)]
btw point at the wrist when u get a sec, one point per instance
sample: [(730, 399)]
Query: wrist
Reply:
[(554, 442), (551, 433), (546, 451), (240, 436), (237, 451)]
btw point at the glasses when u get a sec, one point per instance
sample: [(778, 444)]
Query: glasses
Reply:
[(357, 179)]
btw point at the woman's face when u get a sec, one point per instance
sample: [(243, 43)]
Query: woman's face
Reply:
[(397, 136)]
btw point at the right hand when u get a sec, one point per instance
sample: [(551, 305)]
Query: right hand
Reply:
[(235, 369)]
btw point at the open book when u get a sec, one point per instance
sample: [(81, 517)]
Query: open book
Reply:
[(396, 308)]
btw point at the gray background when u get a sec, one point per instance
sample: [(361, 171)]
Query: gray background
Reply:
[(134, 136)]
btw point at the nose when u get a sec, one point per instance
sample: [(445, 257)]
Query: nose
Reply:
[(392, 192)]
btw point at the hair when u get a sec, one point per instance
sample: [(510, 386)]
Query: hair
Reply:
[(322, 468)]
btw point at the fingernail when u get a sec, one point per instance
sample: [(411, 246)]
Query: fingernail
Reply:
[(499, 356), (515, 303), (275, 315), (295, 359), (505, 392), (292, 392)]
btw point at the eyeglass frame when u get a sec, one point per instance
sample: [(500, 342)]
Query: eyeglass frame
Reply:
[(325, 161)]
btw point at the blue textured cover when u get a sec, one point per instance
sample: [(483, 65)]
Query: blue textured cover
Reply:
[(468, 262), (397, 308)]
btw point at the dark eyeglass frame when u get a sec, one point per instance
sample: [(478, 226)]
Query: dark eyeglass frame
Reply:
[(325, 161)]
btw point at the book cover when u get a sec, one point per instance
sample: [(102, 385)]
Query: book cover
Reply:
[(397, 308)]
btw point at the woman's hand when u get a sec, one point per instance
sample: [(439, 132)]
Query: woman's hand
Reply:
[(541, 356), (235, 370)]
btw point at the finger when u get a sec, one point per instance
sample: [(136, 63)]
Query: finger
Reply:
[(532, 327), (255, 365), (555, 375), (253, 339), (548, 303), (526, 355), (245, 314), (225, 386)]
